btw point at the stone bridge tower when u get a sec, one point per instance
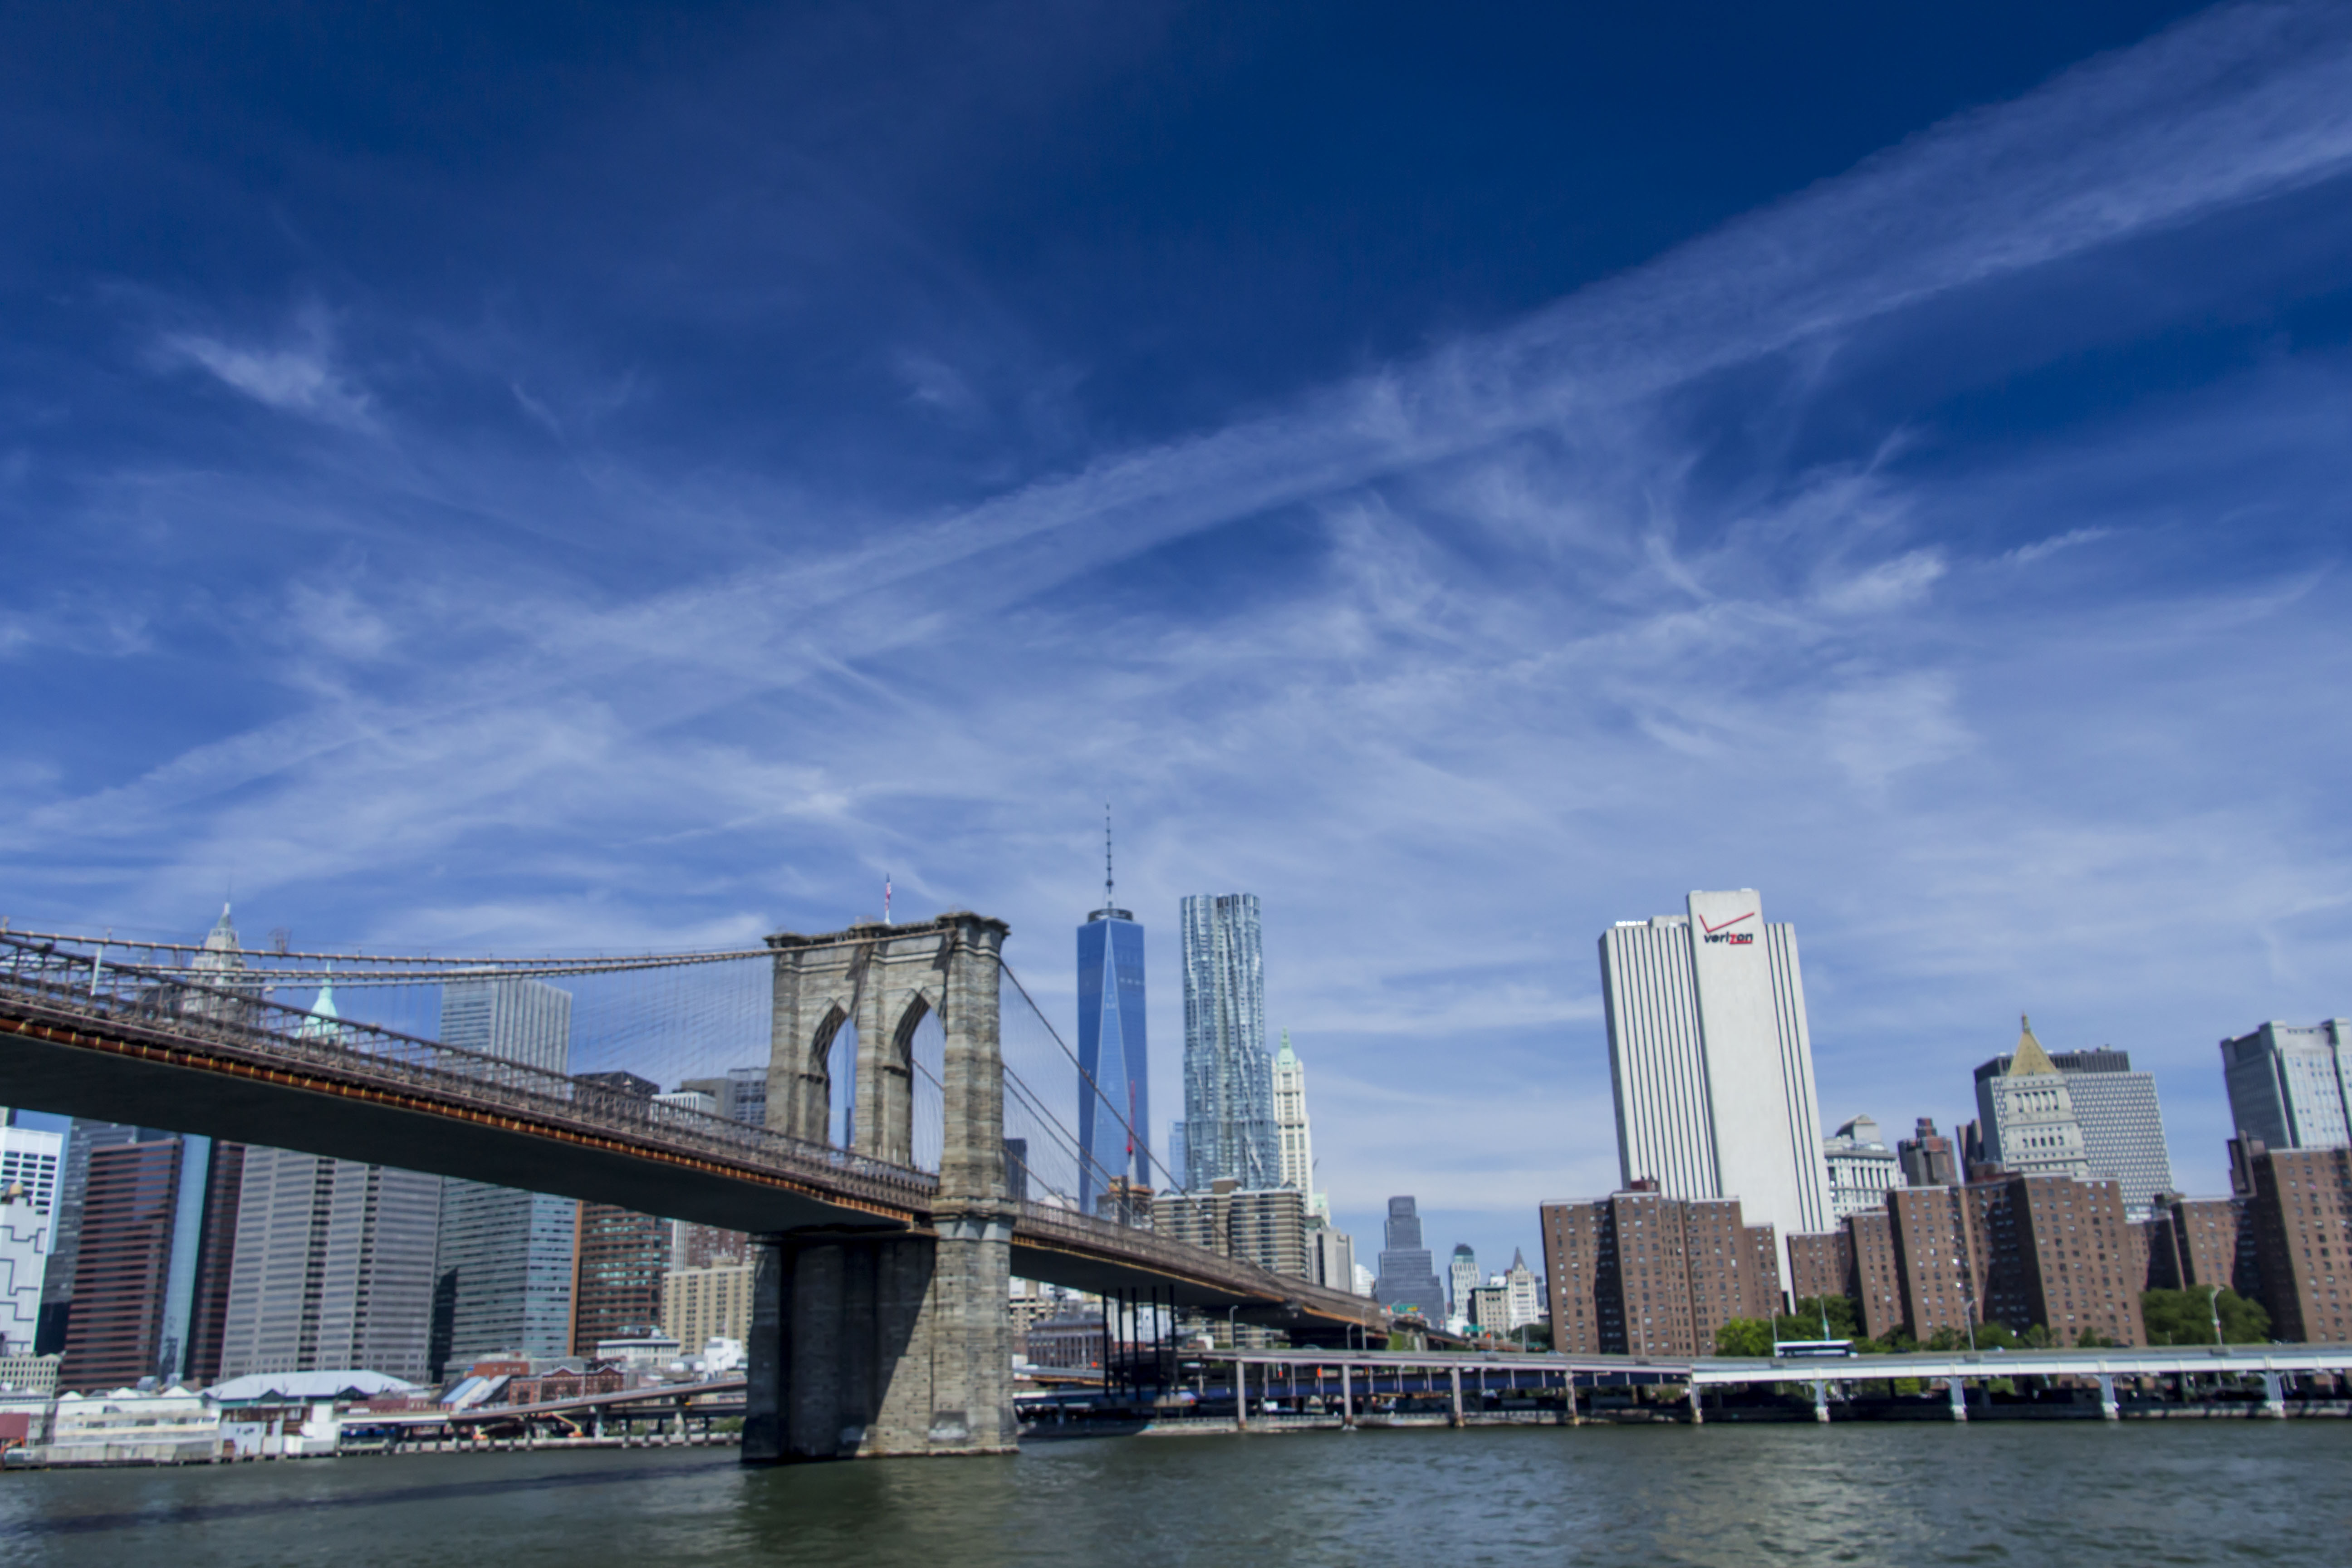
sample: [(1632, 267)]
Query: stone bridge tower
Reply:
[(882, 1341)]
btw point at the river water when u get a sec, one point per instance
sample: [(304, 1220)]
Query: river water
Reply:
[(2073, 1495)]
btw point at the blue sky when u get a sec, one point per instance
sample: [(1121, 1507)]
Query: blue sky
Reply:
[(586, 478)]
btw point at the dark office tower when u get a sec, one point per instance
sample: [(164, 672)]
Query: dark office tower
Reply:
[(210, 1248), (120, 1267), (617, 1290), (150, 1271), (1229, 1126), (619, 1256), (1407, 1276), (1929, 1158), (73, 1184), (1114, 1071)]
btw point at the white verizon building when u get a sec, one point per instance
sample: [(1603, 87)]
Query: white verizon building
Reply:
[(1712, 1065)]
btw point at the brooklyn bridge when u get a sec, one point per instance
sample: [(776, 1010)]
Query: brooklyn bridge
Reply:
[(917, 1152)]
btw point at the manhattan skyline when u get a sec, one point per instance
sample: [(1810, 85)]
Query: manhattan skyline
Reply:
[(640, 487)]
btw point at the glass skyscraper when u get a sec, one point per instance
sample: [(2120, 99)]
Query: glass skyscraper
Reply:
[(1229, 1126), (2292, 1087), (1114, 1083)]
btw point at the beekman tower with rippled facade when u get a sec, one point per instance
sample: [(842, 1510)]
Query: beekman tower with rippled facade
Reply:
[(1229, 1126), (1115, 1076)]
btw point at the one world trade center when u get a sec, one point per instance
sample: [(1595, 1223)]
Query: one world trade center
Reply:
[(1115, 1078)]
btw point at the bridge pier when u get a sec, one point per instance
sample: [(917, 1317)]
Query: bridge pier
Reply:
[(897, 1344), (882, 1347)]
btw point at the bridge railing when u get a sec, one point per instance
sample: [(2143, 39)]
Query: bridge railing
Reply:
[(1048, 1221), (44, 977)]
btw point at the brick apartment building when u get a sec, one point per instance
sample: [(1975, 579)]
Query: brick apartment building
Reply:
[(1638, 1273), (2013, 1249)]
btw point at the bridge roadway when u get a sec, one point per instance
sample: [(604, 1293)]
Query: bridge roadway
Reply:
[(80, 1039)]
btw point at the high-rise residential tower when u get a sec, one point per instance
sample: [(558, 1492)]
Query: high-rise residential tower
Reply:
[(2122, 1126), (1408, 1277), (1711, 1061), (1114, 1063), (504, 1262), (2026, 1114), (2291, 1086), (1229, 1127)]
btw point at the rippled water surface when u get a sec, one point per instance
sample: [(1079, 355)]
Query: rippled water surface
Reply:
[(2073, 1496)]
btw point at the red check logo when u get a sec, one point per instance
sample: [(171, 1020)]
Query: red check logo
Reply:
[(1734, 920)]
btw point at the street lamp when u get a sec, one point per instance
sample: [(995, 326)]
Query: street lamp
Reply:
[(2214, 1303)]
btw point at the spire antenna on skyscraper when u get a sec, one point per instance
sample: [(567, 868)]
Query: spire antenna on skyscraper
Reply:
[(1108, 900)]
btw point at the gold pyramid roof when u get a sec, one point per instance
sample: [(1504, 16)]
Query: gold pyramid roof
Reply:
[(2031, 1059)]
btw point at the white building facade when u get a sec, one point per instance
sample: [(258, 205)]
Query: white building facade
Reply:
[(1711, 1062), (1461, 1279), (1522, 1297), (32, 1160), (2029, 1124), (1291, 1126), (1331, 1259), (30, 1168), (2115, 1108), (25, 1236), (1862, 1169)]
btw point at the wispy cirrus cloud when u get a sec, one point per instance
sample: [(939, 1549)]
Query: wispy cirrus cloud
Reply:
[(295, 374)]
